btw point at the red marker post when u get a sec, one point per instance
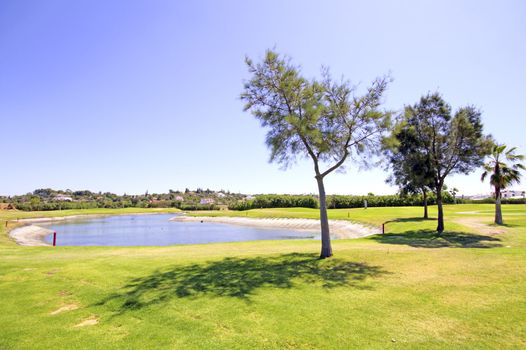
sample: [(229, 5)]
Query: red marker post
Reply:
[(54, 238)]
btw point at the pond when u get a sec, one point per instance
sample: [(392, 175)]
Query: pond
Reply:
[(156, 230)]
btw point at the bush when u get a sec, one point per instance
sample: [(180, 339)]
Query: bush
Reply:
[(491, 200), (189, 207), (27, 206), (339, 201), (276, 201)]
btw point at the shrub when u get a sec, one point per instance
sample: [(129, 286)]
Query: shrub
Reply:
[(276, 201)]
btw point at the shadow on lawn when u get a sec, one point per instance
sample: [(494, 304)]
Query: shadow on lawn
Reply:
[(430, 239), (413, 219), (239, 278)]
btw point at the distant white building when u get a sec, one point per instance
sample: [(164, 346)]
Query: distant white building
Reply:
[(63, 198), (179, 198), (512, 194), (206, 201), (249, 197), (221, 195)]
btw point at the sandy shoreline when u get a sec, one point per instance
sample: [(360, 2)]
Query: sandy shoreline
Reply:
[(339, 228), (30, 235)]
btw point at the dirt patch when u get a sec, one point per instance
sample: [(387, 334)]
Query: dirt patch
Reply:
[(69, 307), (479, 226), (87, 322)]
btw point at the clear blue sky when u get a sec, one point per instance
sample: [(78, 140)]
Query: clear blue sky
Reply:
[(129, 96)]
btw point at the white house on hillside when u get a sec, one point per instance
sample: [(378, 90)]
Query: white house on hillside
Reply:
[(206, 201), (512, 194), (63, 198)]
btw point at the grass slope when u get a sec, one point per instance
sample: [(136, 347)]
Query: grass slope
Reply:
[(406, 289)]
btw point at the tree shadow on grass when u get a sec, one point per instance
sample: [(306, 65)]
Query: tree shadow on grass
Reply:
[(239, 278), (430, 239), (413, 219), (505, 224)]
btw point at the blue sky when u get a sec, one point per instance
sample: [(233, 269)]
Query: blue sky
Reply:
[(129, 96)]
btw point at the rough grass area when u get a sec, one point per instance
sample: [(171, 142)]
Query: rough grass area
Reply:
[(407, 289)]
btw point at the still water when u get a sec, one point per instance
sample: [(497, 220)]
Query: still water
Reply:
[(156, 230)]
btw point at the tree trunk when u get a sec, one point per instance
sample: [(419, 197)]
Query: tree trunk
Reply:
[(326, 249), (498, 210), (440, 227), (424, 193)]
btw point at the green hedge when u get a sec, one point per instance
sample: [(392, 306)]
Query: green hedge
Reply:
[(277, 201), (189, 207), (27, 206), (268, 201), (492, 201), (338, 201)]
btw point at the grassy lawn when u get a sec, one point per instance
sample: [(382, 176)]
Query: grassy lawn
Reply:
[(405, 289)]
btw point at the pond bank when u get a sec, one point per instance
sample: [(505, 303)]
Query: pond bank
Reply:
[(30, 235), (340, 229)]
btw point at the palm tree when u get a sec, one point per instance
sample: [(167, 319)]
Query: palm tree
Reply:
[(502, 175)]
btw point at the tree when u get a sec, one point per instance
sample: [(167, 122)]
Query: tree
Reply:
[(502, 175), (35, 202), (453, 144), (410, 170), (321, 120)]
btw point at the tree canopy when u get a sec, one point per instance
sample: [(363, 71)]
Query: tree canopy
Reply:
[(410, 171)]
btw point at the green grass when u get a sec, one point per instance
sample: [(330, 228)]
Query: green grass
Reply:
[(406, 289)]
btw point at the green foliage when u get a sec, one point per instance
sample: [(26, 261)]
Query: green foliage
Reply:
[(321, 119), (198, 207), (340, 201), (502, 174), (449, 144), (44, 206), (49, 199), (490, 200), (504, 168), (411, 171), (443, 143), (277, 201)]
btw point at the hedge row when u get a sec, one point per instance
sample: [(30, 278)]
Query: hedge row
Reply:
[(270, 201), (338, 201), (189, 207), (27, 206), (492, 201), (44, 206), (276, 201)]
